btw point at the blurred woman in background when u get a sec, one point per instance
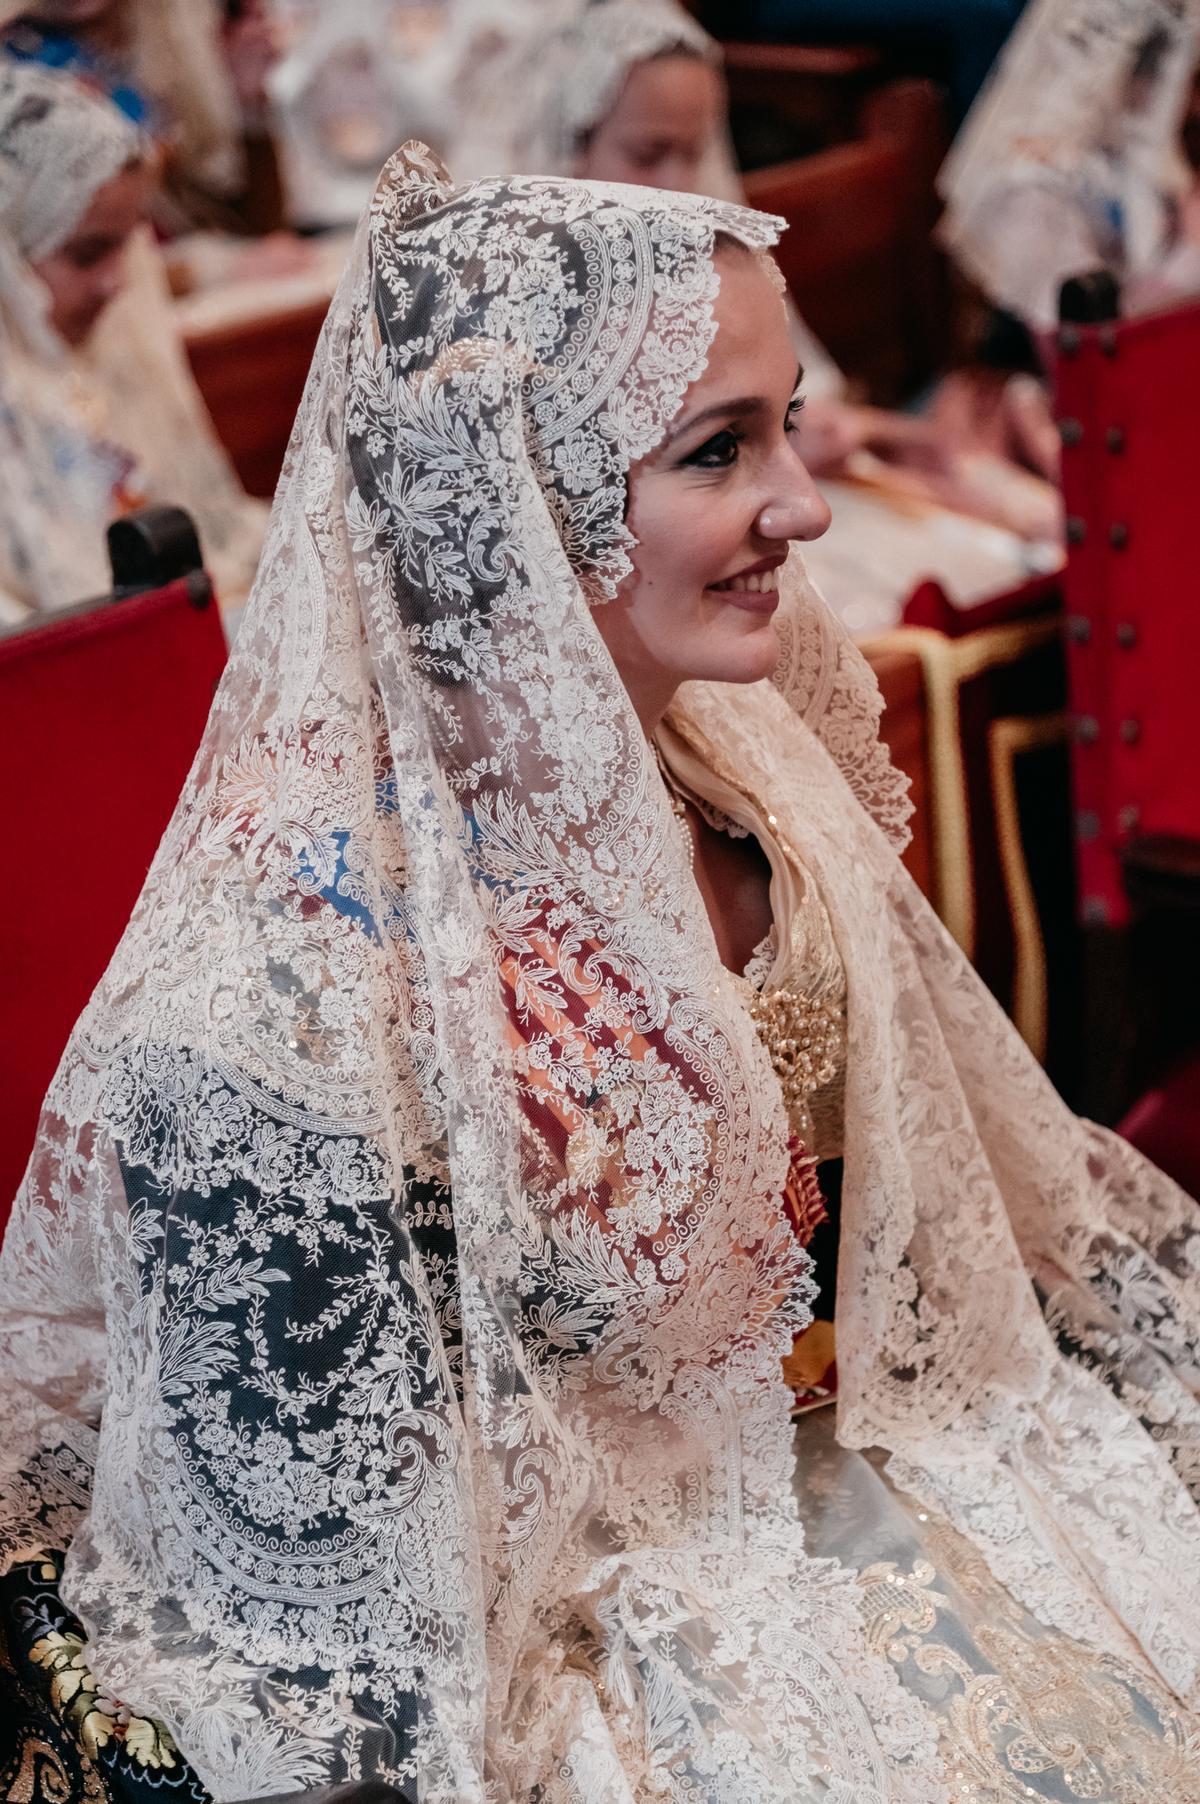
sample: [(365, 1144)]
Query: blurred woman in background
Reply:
[(1072, 158), (98, 410), (181, 69)]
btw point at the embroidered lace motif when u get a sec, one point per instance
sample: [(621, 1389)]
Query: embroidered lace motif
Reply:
[(409, 1194)]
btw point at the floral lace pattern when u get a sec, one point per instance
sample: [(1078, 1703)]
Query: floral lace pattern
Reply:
[(396, 1297), (1024, 1711), (976, 1210), (413, 1178)]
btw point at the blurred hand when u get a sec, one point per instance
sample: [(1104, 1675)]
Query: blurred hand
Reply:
[(1009, 417), (276, 254)]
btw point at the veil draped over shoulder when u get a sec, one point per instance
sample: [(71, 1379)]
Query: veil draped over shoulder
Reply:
[(408, 1197)]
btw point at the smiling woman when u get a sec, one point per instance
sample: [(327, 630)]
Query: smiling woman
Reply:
[(396, 1302)]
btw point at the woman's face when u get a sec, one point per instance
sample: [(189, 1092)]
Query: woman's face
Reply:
[(86, 271), (656, 135), (715, 508)]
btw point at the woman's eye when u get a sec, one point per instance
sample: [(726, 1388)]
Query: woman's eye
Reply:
[(716, 453), (792, 417)]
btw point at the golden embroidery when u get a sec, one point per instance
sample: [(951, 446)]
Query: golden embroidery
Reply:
[(1051, 1719), (92, 1718), (806, 1041), (38, 1776)]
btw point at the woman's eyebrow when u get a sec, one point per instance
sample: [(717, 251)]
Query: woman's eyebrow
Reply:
[(740, 404)]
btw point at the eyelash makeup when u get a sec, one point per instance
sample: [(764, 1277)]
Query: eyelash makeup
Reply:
[(720, 451)]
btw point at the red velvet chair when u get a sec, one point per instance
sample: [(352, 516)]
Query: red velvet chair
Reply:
[(1126, 399), (101, 712)]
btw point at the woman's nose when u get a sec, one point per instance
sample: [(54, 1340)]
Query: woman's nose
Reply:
[(801, 512)]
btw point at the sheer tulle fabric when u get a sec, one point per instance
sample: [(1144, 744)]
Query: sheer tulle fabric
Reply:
[(1018, 1291)]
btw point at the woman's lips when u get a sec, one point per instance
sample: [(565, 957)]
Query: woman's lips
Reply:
[(756, 591)]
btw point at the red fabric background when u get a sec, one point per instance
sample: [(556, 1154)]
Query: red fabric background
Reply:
[(1130, 476), (101, 714)]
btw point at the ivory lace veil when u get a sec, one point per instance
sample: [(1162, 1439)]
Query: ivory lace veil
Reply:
[(408, 1195)]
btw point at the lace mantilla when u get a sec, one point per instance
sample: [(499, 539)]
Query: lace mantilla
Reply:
[(414, 1176), (396, 1297)]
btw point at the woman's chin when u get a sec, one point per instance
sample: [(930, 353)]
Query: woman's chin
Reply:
[(742, 657)]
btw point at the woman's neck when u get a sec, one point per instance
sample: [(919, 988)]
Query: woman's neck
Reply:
[(651, 694)]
